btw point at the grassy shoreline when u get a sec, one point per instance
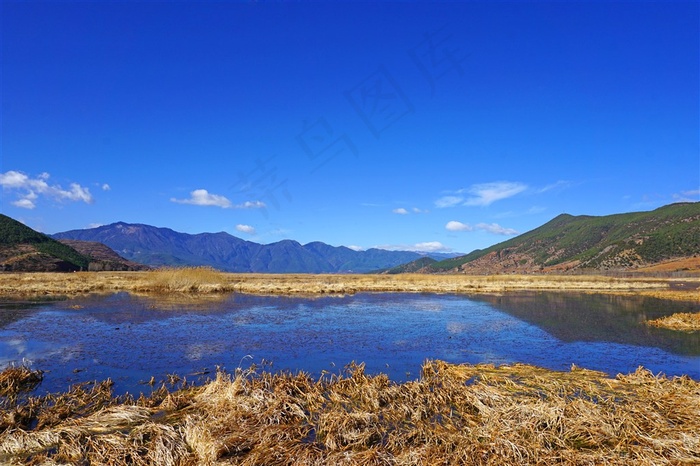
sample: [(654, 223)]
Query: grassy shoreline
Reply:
[(453, 414), (204, 280)]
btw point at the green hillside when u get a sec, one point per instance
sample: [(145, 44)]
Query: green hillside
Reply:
[(586, 242), (18, 240)]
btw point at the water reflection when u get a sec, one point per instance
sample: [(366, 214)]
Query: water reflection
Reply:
[(130, 338), (575, 317)]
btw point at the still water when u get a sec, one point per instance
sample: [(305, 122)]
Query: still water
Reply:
[(131, 338)]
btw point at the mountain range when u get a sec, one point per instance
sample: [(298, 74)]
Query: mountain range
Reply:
[(156, 246), (666, 239)]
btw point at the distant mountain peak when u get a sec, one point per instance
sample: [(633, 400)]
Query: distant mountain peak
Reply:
[(25, 250)]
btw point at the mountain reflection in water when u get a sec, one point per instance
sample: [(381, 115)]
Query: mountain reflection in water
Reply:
[(599, 317), (130, 338)]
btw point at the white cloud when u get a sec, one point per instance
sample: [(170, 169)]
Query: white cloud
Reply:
[(202, 197), (30, 189), (13, 179), (485, 194), (76, 193), (496, 229), (458, 226), (415, 210), (428, 246), (355, 248), (431, 246), (24, 203), (95, 225), (493, 228), (448, 201), (106, 187), (251, 205), (246, 229)]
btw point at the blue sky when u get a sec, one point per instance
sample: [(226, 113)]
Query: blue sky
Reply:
[(442, 126)]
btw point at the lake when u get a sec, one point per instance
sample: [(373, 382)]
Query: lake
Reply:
[(131, 338)]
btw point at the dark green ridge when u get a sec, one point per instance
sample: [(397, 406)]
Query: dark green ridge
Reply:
[(668, 232), (14, 233)]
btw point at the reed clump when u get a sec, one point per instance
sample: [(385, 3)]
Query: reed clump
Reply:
[(16, 380), (453, 414), (185, 280), (684, 321)]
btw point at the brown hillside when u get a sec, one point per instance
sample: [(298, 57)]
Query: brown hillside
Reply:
[(26, 258), (102, 257)]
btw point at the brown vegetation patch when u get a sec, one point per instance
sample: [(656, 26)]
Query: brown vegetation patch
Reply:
[(688, 264), (454, 414), (685, 321), (207, 280)]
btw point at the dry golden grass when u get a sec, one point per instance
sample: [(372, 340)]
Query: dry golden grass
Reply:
[(16, 380), (201, 280), (685, 321), (454, 414), (186, 280)]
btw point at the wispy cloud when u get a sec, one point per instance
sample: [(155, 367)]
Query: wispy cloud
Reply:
[(355, 248), (106, 187), (448, 201), (245, 229), (428, 246), (692, 195), (414, 210), (202, 197), (29, 189), (487, 193), (251, 205), (95, 225), (496, 229), (482, 194), (493, 228), (558, 185), (534, 210)]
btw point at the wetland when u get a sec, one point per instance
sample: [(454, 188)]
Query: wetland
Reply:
[(131, 338)]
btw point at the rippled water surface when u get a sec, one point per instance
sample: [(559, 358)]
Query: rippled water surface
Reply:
[(131, 338)]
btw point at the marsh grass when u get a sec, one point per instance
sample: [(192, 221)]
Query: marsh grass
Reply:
[(186, 280), (684, 321), (205, 280), (453, 414)]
